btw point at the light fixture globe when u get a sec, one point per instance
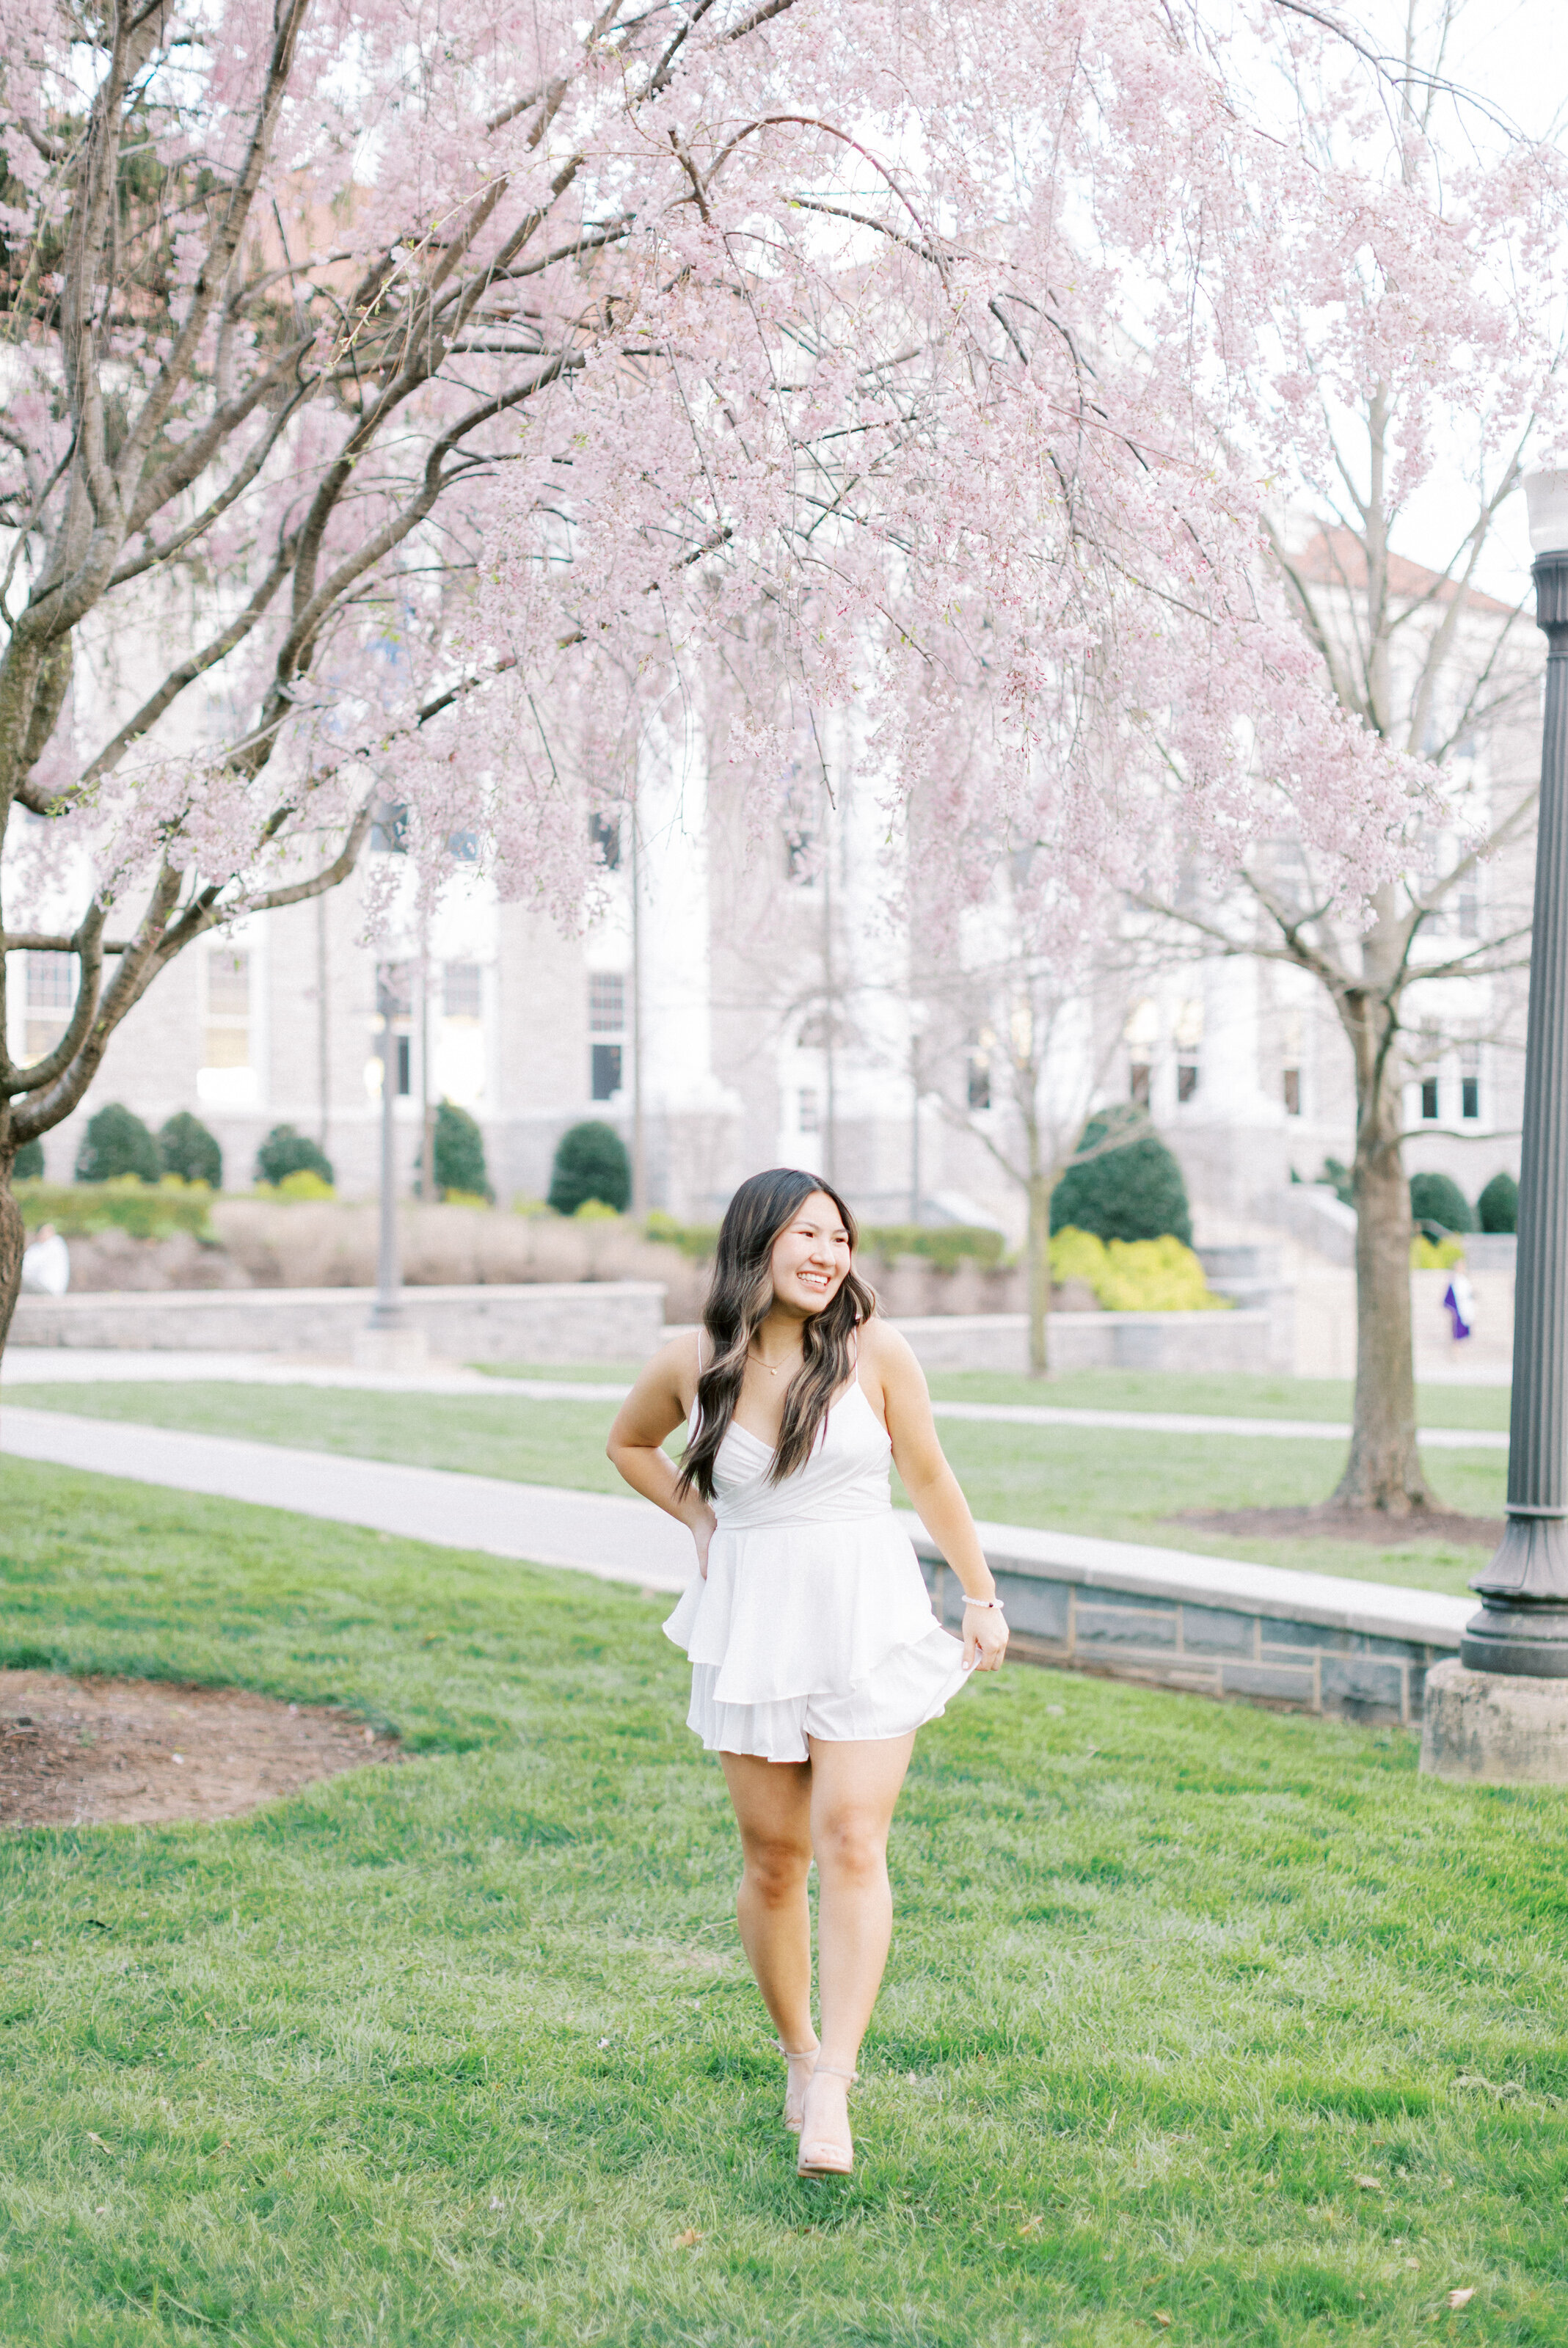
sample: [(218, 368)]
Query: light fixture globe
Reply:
[(1547, 499)]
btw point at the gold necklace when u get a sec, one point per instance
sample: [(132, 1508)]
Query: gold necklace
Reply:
[(767, 1365)]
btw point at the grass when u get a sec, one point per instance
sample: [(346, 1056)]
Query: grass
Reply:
[(1228, 1395), (463, 2053), (1119, 1486)]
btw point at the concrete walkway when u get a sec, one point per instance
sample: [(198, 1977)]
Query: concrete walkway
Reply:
[(620, 1539), (67, 1365)]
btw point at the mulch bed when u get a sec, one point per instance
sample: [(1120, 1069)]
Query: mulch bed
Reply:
[(100, 1752), (1329, 1523)]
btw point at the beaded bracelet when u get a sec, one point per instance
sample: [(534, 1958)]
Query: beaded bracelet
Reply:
[(985, 1602)]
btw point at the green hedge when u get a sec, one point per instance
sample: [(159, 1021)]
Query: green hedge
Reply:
[(1437, 1198), (1497, 1209), (146, 1210), (591, 1162), (946, 1245), (1133, 1193)]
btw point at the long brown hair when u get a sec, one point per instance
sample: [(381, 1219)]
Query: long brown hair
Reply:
[(738, 1301)]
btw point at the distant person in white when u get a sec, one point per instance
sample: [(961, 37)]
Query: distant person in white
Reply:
[(46, 1264), (815, 1653)]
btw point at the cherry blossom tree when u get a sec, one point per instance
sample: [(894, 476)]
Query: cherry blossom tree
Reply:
[(1431, 360), (385, 386)]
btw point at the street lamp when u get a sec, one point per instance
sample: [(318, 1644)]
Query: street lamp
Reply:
[(1502, 1711), (388, 1341)]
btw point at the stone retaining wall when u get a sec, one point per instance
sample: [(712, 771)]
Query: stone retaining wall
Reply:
[(567, 1321), (1182, 1342), (1313, 1642)]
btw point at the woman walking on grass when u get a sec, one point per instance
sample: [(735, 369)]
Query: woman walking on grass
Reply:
[(815, 1653)]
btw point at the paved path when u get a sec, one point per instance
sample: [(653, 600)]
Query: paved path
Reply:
[(619, 1540), (628, 1539), (52, 1365)]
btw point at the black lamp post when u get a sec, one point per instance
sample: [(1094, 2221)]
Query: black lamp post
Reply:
[(1523, 1626), (387, 1314)]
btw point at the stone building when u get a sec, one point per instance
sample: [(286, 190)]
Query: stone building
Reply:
[(744, 1004)]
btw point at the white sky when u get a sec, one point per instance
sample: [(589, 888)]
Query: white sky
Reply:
[(1514, 54)]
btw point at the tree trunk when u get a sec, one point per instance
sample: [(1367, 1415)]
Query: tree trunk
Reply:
[(1384, 1470), (1039, 1273), (13, 1239)]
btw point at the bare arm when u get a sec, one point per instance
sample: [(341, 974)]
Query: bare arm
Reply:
[(933, 1487), (654, 1409)]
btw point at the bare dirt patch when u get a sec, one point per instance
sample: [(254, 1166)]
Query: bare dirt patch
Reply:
[(93, 1752), (1327, 1523)]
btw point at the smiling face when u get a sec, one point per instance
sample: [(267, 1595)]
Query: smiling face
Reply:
[(810, 1257)]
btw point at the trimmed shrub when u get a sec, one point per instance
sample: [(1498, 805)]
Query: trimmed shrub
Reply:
[(1497, 1209), (28, 1164), (591, 1162), (115, 1144), (188, 1149), (459, 1153), (286, 1152), (1435, 1255), (1437, 1198), (1133, 1192), (304, 1182), (1134, 1276)]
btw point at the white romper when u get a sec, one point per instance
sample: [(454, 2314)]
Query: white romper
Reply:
[(814, 1617)]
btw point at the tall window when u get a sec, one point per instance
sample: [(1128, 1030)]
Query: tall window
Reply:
[(1189, 1036), (607, 1019), (1142, 1033), (51, 994), (1429, 1097), (227, 1042), (604, 830), (1290, 1073), (799, 858), (1469, 1081), (808, 1112)]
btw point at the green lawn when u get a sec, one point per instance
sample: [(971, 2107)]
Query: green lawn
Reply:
[(1120, 1485), (455, 2055), (1228, 1395)]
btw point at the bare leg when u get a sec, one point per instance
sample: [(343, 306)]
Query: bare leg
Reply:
[(853, 1789), (773, 1805)]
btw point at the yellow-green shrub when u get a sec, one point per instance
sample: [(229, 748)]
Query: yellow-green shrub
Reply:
[(144, 1210), (1134, 1276), (1435, 1255)]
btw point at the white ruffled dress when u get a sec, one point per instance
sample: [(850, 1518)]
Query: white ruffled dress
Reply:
[(814, 1619)]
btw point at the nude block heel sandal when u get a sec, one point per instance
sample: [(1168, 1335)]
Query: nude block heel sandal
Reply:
[(822, 2157), (795, 2103)]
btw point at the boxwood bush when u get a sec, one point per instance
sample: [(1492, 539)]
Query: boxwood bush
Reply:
[(1437, 1198), (591, 1162), (1131, 1192), (116, 1144), (284, 1151), (1497, 1209), (188, 1149)]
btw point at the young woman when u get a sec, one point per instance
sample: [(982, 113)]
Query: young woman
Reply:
[(815, 1655)]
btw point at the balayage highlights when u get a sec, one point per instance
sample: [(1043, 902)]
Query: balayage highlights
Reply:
[(737, 1303)]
